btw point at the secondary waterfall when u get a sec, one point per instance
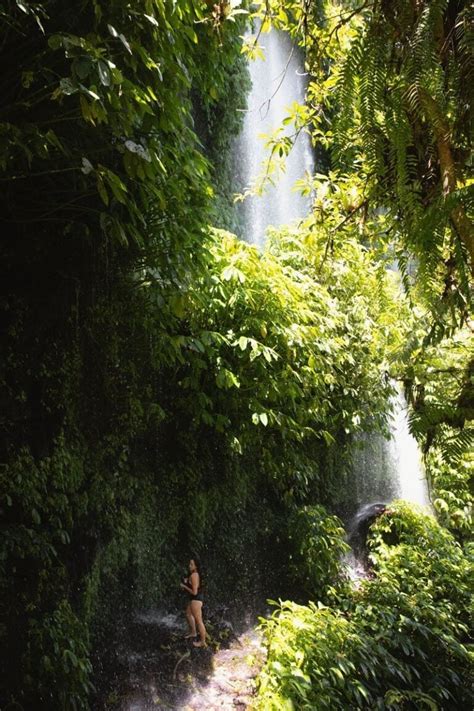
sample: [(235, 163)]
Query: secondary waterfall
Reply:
[(277, 82), (387, 469), (383, 470), (405, 454)]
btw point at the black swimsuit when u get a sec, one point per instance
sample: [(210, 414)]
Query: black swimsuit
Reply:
[(198, 595)]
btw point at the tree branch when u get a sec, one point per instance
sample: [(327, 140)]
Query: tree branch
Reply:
[(461, 222)]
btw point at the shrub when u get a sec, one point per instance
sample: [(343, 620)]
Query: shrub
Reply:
[(318, 539), (402, 641)]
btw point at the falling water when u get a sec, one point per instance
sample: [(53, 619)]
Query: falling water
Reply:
[(388, 469), (278, 81), (383, 470), (411, 483)]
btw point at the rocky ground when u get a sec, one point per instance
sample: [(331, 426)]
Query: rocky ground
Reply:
[(153, 668)]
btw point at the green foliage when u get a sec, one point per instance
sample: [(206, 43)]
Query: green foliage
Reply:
[(401, 541), (319, 544), (57, 654), (278, 356), (258, 354), (97, 96), (439, 382), (190, 414), (159, 382), (219, 104), (452, 489), (400, 641), (402, 86), (390, 98), (105, 190)]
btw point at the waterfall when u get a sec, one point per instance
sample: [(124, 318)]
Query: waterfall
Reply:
[(277, 82), (383, 469), (404, 453), (388, 469)]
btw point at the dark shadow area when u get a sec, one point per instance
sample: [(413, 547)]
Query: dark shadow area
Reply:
[(358, 529)]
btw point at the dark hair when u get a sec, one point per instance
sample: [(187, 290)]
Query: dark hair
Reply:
[(197, 562)]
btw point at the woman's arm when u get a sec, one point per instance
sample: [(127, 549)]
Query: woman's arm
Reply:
[(194, 587), (194, 580)]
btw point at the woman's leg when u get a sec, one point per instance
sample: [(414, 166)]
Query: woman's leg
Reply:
[(196, 609), (191, 621)]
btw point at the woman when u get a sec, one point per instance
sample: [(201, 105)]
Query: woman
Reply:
[(192, 585)]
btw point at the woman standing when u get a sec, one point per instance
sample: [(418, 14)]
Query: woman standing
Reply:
[(192, 585)]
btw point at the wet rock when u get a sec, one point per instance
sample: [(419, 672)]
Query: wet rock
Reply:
[(160, 670)]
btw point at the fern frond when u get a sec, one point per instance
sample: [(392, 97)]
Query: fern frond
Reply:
[(455, 445)]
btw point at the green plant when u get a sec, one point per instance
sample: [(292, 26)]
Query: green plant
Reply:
[(319, 547), (57, 655), (390, 98), (400, 641)]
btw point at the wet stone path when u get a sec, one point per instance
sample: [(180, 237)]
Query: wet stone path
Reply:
[(232, 681), (155, 669)]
